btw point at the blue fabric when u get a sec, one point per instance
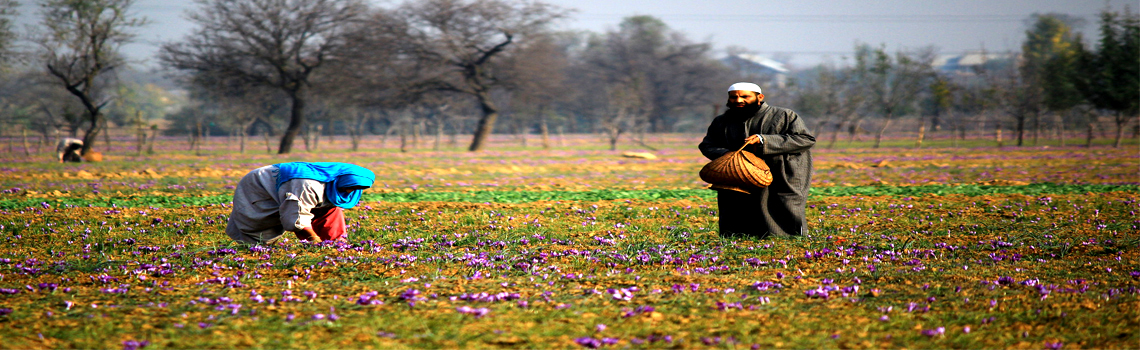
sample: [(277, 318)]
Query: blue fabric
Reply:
[(334, 175)]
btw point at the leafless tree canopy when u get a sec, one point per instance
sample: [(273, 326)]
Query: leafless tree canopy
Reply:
[(277, 43), (316, 69), (460, 39), (81, 44)]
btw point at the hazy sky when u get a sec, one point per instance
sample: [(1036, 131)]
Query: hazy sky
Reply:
[(801, 33)]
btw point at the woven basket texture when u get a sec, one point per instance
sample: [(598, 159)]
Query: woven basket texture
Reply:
[(739, 171), (93, 157)]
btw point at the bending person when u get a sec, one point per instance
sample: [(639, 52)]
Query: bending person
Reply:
[(305, 198), (67, 150)]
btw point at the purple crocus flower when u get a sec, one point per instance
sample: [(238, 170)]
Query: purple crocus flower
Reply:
[(934, 332), (589, 342), (134, 345), (620, 294)]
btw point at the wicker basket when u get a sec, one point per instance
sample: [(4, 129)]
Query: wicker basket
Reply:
[(93, 157), (738, 171)]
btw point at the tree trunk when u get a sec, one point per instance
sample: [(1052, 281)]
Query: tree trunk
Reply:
[(956, 133), (27, 149), (835, 134), (198, 137), (438, 135), (561, 137), (193, 138), (854, 131), (997, 135), (921, 135), (453, 136), (421, 134), (296, 120), (150, 141), (542, 127), (356, 129), (613, 133), (882, 130), (268, 148), (317, 137), (1089, 138), (241, 139), (306, 134), (392, 128), (140, 138), (1120, 122), (982, 124), (1020, 130), (140, 133), (486, 123), (404, 137)]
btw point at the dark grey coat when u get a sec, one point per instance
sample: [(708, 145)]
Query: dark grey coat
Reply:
[(780, 208)]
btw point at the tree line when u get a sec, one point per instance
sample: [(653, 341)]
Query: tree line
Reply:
[(299, 69)]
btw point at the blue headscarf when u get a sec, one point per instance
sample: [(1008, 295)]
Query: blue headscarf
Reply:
[(334, 175)]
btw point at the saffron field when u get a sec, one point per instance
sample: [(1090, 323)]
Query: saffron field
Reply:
[(578, 247)]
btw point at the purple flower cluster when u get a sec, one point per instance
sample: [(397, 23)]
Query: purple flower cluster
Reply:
[(624, 294), (643, 309), (134, 344), (485, 297), (369, 299), (934, 332), (477, 312), (593, 343)]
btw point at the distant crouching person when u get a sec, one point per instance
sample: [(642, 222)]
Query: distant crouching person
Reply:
[(304, 198), (67, 150), (779, 137)]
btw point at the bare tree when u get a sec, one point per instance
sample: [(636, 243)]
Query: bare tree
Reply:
[(532, 75), (81, 46), (372, 72), (274, 43), (831, 95), (893, 83), (464, 39), (673, 73)]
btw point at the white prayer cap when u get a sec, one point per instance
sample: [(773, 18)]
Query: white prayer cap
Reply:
[(745, 87)]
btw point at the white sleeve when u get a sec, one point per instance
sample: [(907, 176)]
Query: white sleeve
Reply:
[(299, 197)]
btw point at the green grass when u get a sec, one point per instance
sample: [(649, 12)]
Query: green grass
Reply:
[(134, 201)]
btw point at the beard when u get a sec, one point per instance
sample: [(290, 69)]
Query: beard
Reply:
[(753, 104), (749, 108)]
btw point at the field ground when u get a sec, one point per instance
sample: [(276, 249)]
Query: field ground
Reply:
[(940, 247)]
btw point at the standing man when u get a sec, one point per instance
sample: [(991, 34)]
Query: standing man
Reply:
[(779, 137)]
